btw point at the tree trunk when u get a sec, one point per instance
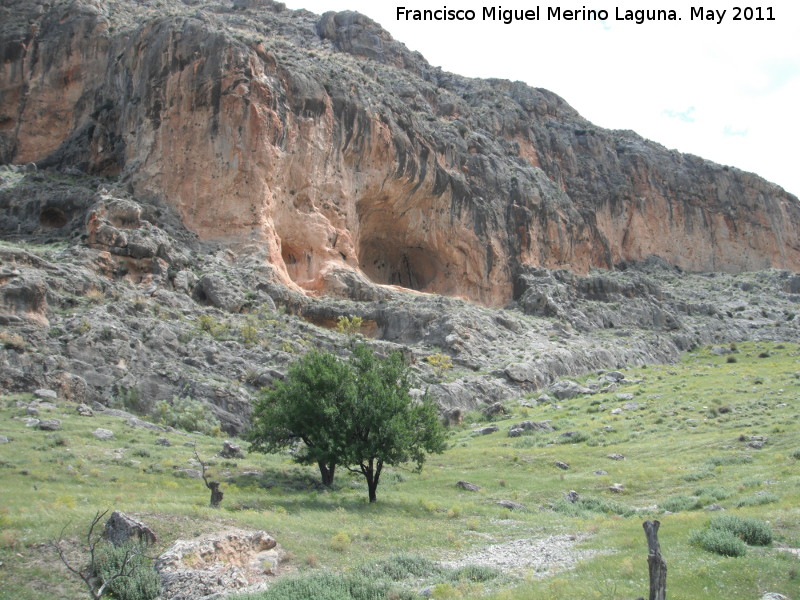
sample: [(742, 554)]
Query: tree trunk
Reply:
[(373, 475), (655, 562), (326, 472), (216, 493)]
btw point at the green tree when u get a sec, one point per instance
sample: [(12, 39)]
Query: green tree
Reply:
[(355, 413), (386, 426), (306, 406)]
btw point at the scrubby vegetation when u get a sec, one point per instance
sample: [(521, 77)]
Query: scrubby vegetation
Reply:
[(679, 457)]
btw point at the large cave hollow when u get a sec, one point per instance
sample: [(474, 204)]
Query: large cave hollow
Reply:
[(398, 247), (391, 260)]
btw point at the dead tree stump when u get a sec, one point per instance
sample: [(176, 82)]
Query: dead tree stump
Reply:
[(655, 562), (216, 493)]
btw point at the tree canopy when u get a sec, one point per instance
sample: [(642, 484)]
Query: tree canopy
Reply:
[(357, 413)]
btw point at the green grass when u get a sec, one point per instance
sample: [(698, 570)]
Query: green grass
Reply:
[(681, 450)]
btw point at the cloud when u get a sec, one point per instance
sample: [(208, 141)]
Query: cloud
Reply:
[(731, 132), (687, 116)]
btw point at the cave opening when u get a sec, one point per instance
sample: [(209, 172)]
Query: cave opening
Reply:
[(52, 218), (390, 261)]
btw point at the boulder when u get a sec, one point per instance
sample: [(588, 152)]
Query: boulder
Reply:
[(616, 457), (84, 410), (121, 528), (49, 425), (216, 565), (231, 450), (561, 465), (44, 394), (453, 416), (3, 439), (103, 434), (565, 389), (494, 410), (571, 496), (510, 505), (486, 430), (466, 485)]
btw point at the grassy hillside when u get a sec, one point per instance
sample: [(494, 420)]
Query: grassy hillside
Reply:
[(684, 430)]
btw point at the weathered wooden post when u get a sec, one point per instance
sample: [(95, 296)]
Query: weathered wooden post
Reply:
[(216, 493), (655, 562)]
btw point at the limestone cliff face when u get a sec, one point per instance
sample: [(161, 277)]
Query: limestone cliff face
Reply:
[(346, 157)]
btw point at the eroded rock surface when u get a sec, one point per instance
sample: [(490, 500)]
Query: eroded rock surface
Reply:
[(218, 565), (350, 161)]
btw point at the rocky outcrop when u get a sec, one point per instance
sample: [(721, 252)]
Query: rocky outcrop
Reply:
[(215, 566), (349, 161)]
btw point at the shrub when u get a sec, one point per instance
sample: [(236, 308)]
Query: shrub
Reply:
[(679, 503), (329, 586), (402, 566), (187, 414), (441, 363), (752, 531), (758, 499), (341, 541), (714, 492), (476, 573), (732, 459), (718, 541), (142, 584), (592, 505)]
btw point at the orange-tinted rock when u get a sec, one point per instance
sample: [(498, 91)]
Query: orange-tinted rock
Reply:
[(334, 148)]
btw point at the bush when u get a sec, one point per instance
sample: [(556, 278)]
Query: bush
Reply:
[(718, 541), (187, 414), (758, 499), (679, 503), (143, 583), (402, 566), (475, 573), (715, 492), (329, 586), (592, 505), (752, 531)]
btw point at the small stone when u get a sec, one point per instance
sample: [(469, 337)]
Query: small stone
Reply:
[(614, 376), (756, 444), (561, 465), (103, 434), (32, 411), (163, 442), (121, 528), (617, 488), (50, 425), (45, 394), (616, 411), (231, 450), (486, 430), (84, 410), (3, 439), (616, 457), (601, 472), (624, 397), (510, 505), (494, 410), (714, 507), (30, 422), (631, 406), (774, 596), (571, 496), (470, 487)]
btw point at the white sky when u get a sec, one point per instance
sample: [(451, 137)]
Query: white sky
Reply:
[(728, 92)]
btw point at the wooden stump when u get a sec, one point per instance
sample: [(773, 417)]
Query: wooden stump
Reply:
[(216, 493), (655, 562)]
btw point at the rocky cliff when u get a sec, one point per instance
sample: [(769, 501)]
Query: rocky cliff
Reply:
[(344, 162)]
